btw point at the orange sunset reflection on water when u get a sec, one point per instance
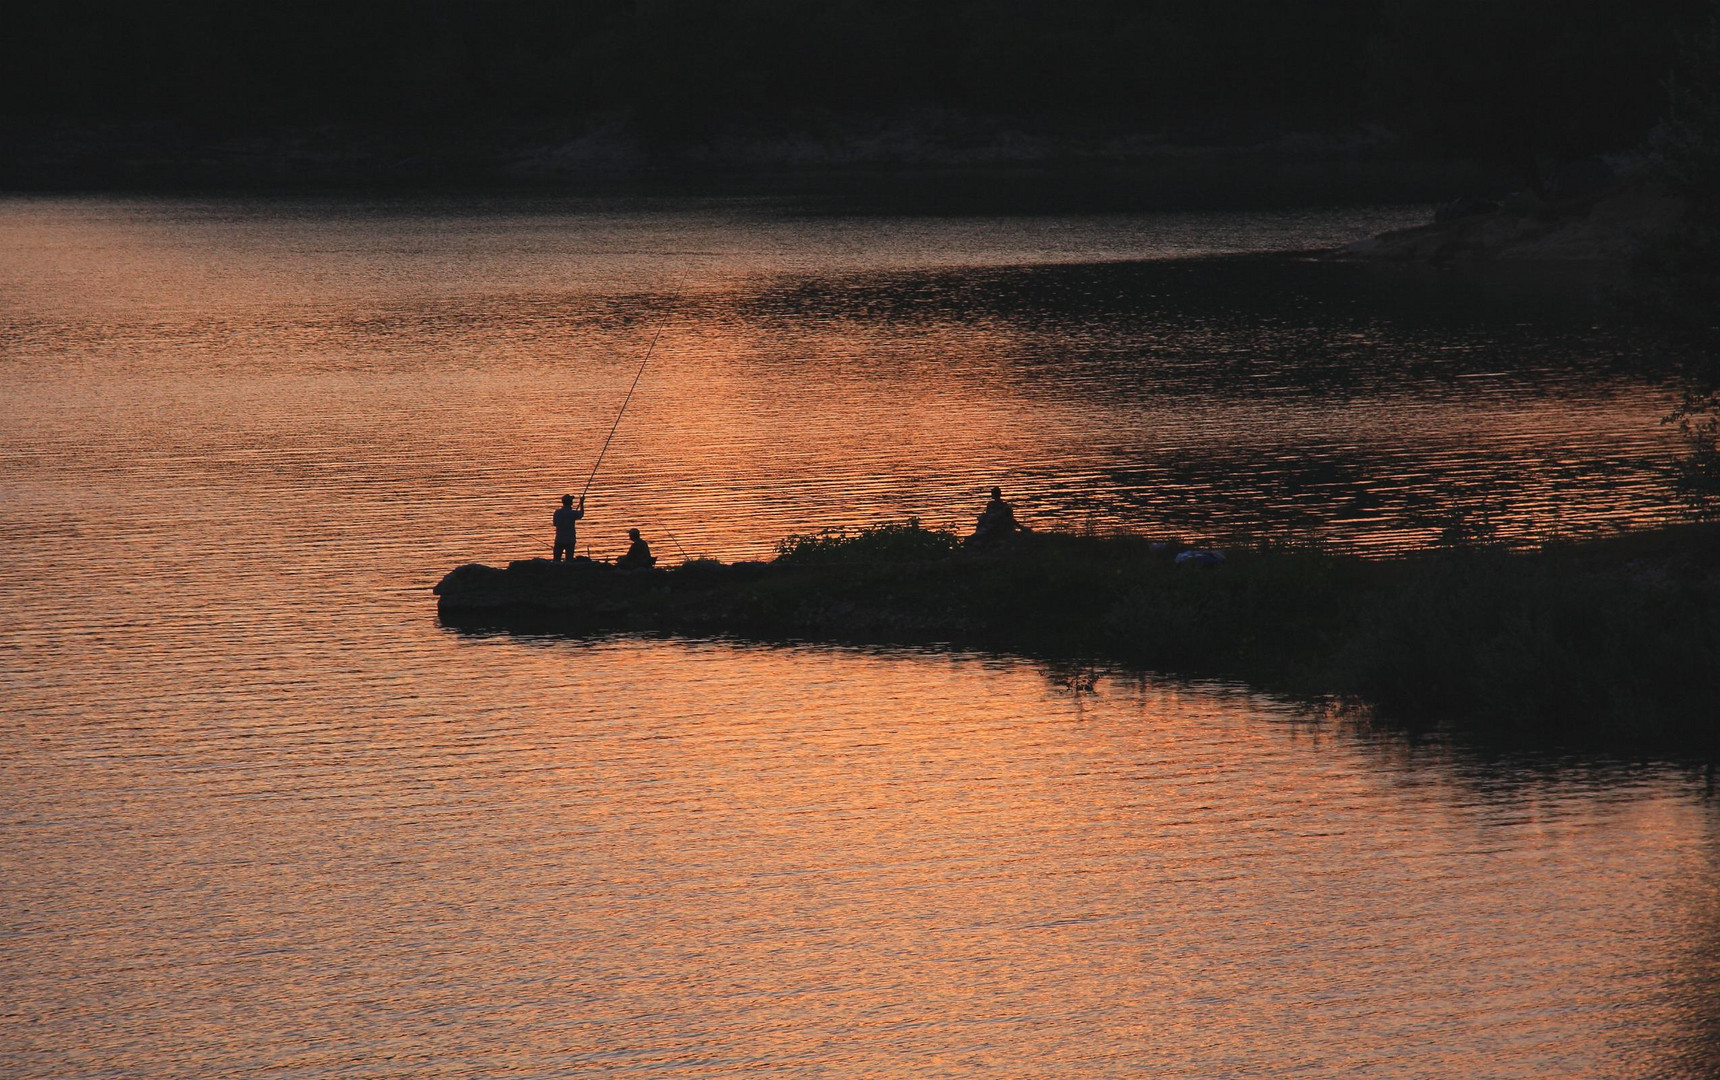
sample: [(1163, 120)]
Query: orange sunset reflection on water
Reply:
[(264, 816), (691, 859)]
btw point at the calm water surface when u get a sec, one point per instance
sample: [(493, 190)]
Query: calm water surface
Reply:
[(261, 816)]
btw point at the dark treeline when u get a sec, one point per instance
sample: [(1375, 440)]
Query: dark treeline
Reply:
[(1500, 79), (687, 63)]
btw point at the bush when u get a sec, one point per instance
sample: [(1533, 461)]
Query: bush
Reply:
[(910, 542)]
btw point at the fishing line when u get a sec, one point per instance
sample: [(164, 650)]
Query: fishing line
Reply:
[(677, 543)]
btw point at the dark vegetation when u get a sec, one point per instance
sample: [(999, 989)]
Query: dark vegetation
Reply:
[(1679, 282), (1613, 642), (105, 92)]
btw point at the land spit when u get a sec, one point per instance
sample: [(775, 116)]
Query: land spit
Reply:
[(1613, 641)]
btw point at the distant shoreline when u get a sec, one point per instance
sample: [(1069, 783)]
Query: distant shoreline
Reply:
[(892, 171)]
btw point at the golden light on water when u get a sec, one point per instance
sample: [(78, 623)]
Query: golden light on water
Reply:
[(263, 814)]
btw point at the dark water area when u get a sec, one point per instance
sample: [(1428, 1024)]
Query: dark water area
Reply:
[(1350, 359), (261, 815)]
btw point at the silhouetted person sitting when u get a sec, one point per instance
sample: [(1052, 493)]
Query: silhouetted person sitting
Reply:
[(996, 521), (566, 530), (638, 556)]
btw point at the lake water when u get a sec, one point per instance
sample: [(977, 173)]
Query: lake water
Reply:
[(260, 815)]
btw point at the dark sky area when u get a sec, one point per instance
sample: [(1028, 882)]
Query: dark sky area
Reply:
[(1508, 81)]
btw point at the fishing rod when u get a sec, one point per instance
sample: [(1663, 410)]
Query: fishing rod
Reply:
[(621, 412), (626, 400)]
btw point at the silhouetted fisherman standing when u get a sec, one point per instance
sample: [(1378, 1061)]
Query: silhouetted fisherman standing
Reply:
[(566, 528), (638, 555)]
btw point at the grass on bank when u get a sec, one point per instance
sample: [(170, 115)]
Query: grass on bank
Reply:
[(1614, 640)]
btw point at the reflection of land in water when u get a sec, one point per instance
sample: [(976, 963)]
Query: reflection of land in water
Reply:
[(1371, 406)]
